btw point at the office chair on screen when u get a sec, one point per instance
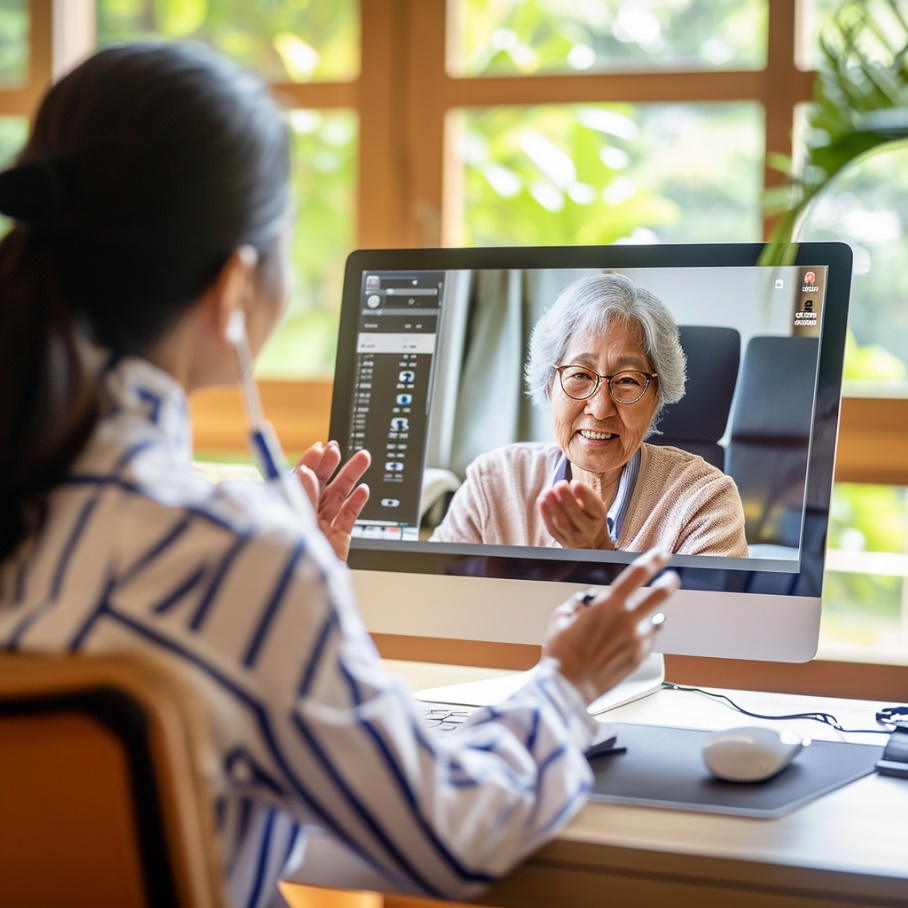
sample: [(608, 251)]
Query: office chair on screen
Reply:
[(766, 454), (102, 795), (697, 422)]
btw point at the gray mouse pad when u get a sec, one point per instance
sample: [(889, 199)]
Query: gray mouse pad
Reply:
[(663, 767)]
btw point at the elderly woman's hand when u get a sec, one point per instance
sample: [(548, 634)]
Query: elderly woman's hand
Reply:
[(575, 516), (599, 641), (337, 501)]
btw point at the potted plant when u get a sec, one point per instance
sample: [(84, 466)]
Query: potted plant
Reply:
[(860, 106)]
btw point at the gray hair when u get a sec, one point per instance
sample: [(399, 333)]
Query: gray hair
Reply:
[(590, 305)]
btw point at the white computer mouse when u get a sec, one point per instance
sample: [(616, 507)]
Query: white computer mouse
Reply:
[(751, 753)]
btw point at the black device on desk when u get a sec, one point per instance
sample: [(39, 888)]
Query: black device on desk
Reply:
[(894, 761), (605, 743)]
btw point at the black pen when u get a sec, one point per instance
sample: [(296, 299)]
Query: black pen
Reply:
[(604, 750)]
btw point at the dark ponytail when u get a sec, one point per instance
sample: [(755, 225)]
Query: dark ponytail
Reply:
[(49, 404), (148, 165)]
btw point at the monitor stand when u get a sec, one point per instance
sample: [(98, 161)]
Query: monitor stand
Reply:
[(646, 680)]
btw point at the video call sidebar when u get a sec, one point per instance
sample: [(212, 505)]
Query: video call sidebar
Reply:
[(395, 352)]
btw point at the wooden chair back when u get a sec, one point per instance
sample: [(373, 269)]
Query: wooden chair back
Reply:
[(103, 795)]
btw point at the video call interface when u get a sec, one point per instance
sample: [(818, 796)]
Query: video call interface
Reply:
[(412, 365), (397, 345)]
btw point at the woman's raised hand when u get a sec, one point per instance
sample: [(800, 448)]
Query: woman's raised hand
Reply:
[(337, 497), (575, 516), (599, 640)]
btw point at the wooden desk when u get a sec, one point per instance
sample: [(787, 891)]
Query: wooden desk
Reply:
[(846, 848)]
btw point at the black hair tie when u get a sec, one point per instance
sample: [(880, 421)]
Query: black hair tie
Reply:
[(37, 190)]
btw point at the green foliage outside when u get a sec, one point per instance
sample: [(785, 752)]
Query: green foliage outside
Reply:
[(863, 609), (509, 37), (873, 362), (867, 205), (284, 40), (862, 614), (13, 41), (13, 132), (591, 174), (869, 518), (325, 146)]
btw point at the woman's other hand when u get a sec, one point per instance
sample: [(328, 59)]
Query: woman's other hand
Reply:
[(598, 643), (575, 516), (338, 498)]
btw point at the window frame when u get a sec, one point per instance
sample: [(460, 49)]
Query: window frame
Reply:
[(404, 98)]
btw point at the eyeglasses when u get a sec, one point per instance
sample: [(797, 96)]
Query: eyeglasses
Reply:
[(626, 387)]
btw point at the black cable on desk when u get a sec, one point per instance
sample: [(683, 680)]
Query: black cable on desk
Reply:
[(825, 718)]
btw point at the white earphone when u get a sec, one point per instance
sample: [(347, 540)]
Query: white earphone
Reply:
[(263, 442)]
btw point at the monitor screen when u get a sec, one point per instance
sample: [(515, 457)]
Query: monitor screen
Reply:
[(728, 463)]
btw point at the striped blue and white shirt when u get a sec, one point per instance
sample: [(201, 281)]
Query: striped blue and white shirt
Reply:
[(246, 597)]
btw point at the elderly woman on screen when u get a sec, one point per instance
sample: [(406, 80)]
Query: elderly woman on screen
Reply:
[(605, 358)]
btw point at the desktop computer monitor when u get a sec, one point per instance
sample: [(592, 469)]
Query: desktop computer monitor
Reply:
[(430, 375)]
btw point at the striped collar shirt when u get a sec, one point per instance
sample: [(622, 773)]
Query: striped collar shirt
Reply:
[(243, 594)]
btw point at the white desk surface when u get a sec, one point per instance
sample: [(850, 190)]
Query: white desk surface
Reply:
[(848, 847)]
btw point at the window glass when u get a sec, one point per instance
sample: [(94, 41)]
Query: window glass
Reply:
[(324, 166), (588, 174), (867, 206), (814, 14), (289, 41), (551, 36), (865, 600), (13, 132), (13, 41)]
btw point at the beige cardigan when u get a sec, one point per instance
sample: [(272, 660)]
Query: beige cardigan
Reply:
[(680, 503)]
